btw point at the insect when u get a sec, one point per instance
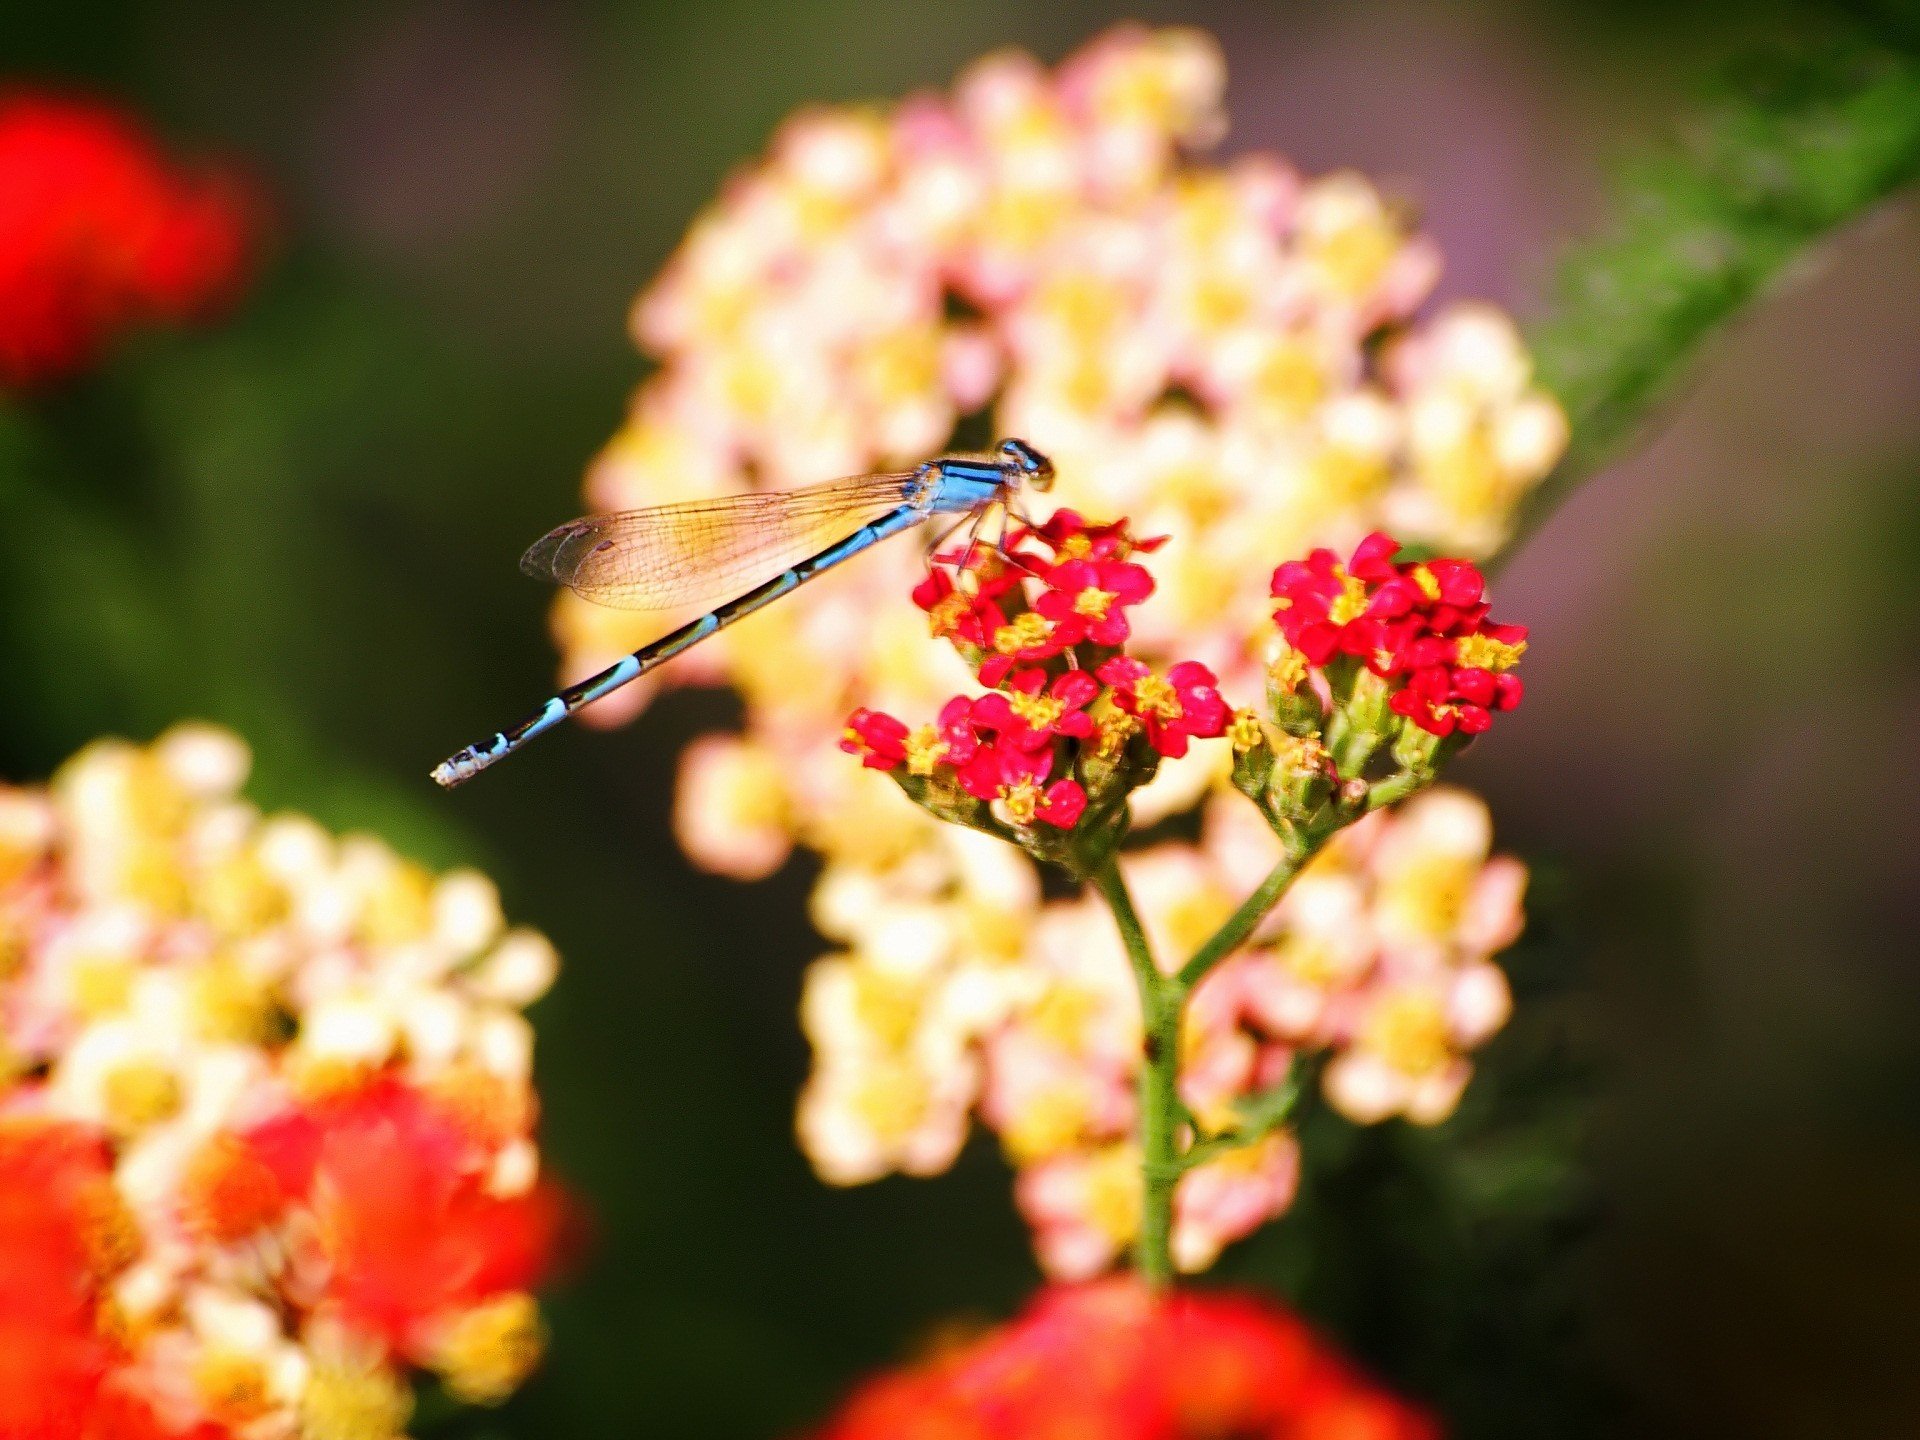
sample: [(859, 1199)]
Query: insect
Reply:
[(671, 556)]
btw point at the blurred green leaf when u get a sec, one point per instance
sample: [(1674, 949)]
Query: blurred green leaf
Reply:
[(1800, 145)]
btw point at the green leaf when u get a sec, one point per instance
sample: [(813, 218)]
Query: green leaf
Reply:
[(1799, 146)]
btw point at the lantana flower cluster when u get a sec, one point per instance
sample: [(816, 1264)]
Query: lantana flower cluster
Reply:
[(99, 232), (978, 1000), (1233, 353), (266, 1114), (1112, 1361)]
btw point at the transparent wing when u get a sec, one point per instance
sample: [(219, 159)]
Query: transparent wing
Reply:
[(670, 557)]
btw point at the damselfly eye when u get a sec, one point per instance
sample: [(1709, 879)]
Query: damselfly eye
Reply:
[(1035, 468)]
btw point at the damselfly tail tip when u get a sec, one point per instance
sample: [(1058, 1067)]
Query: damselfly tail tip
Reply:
[(458, 769)]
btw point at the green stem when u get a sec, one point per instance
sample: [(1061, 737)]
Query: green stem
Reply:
[(1395, 788), (1162, 1003), (1239, 925)]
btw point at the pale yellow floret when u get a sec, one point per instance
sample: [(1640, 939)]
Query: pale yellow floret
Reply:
[(1408, 1030), (352, 1399), (487, 1352)]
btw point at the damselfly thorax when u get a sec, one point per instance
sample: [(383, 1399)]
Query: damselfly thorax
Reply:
[(745, 551)]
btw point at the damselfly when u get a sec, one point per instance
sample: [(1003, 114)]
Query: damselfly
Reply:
[(673, 556)]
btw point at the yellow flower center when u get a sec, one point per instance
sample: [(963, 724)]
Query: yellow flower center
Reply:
[(1424, 579), (1116, 727), (1486, 653), (1304, 754), (892, 1100), (230, 1004), (138, 1094), (1351, 603), (1155, 696), (945, 617), (353, 1401), (1047, 1124), (488, 1351), (1093, 603), (1288, 672), (109, 1235), (400, 908), (1039, 711), (100, 985), (925, 750), (1245, 731), (888, 1007), (1022, 800), (1113, 1195), (1429, 895), (1023, 632), (1074, 547), (1061, 1016), (1409, 1032), (231, 1388)]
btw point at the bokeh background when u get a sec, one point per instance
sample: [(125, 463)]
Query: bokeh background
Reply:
[(1683, 1197)]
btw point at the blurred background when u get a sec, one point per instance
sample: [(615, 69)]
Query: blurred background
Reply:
[(1681, 1198)]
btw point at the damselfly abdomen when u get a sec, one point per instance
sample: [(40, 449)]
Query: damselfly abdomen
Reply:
[(673, 556)]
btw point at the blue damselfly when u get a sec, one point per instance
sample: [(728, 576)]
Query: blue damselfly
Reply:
[(671, 557)]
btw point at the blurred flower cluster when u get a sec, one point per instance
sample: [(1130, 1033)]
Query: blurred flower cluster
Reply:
[(1109, 1360), (1229, 353), (266, 1114), (99, 233)]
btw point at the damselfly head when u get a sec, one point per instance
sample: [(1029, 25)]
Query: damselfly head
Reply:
[(1032, 467)]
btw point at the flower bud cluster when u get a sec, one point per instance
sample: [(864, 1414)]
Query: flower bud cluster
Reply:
[(266, 1112)]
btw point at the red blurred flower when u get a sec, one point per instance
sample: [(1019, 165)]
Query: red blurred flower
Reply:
[(1112, 1361), (63, 1234), (1183, 704), (98, 232), (409, 1231)]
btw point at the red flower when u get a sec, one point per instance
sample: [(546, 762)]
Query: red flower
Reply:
[(1112, 1361), (1071, 537), (876, 737), (1441, 699), (1425, 621), (1184, 704), (409, 1230), (968, 616), (1029, 713), (1088, 600), (884, 743), (98, 233), (1017, 778), (63, 1233)]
